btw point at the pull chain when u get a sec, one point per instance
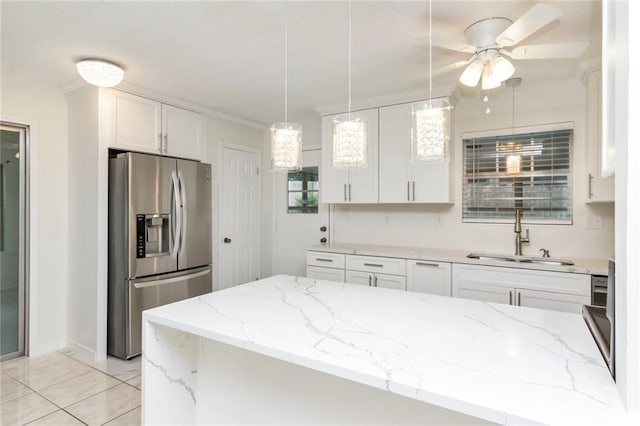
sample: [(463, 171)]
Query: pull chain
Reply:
[(430, 55), (349, 108), (286, 64)]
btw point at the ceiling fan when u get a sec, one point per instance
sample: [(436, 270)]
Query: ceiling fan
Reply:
[(488, 39)]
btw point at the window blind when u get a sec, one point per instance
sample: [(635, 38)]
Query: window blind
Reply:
[(529, 171)]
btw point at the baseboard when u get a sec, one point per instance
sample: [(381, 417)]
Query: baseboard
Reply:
[(80, 352)]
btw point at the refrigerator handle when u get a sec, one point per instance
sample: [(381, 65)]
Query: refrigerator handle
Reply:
[(142, 283), (183, 211), (176, 226)]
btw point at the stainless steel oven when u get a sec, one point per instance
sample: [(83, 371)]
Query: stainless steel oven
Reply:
[(601, 321)]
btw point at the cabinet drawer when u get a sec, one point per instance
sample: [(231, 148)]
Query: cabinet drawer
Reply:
[(385, 265), (327, 260)]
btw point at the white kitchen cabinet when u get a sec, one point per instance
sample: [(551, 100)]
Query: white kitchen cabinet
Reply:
[(523, 287), (144, 125), (386, 272), (599, 189), (429, 277), (372, 279), (350, 185), (401, 180), (325, 266)]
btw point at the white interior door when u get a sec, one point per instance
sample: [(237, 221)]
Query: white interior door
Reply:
[(239, 245), (295, 232)]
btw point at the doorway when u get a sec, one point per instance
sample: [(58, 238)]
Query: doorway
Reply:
[(300, 220), (239, 238), (13, 238)]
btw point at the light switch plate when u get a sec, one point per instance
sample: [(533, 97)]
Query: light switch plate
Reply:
[(595, 221)]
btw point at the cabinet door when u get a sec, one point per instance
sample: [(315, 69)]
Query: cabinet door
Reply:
[(360, 278), (135, 121), (430, 182), (333, 181), (395, 282), (599, 189), (483, 292), (552, 301), (329, 274), (429, 277), (363, 183), (182, 132), (395, 154)]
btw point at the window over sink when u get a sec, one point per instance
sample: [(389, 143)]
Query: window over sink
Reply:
[(524, 168)]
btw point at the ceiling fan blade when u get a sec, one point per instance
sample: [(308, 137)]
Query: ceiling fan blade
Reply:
[(451, 67), (548, 51), (449, 44), (534, 19)]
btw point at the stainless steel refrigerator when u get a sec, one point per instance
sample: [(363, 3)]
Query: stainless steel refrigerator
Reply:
[(159, 240)]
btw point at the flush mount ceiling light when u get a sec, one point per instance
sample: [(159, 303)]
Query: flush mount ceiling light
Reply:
[(429, 122), (488, 39), (350, 131), (286, 138), (99, 72)]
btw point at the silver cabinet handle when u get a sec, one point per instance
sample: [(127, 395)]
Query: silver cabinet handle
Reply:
[(519, 298), (377, 265), (375, 281), (345, 191), (590, 185), (166, 143), (414, 190), (349, 192), (369, 280), (319, 259), (510, 297), (159, 144), (434, 265), (408, 191)]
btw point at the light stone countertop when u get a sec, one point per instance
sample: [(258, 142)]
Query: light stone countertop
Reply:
[(507, 364), (582, 265)]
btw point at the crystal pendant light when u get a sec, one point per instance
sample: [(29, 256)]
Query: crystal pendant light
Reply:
[(513, 161), (286, 138), (430, 122), (350, 131)]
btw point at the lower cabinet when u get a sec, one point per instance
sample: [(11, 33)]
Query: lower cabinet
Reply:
[(376, 280), (429, 277), (325, 266), (558, 291)]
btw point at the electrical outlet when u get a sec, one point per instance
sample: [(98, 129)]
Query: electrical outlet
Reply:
[(595, 221)]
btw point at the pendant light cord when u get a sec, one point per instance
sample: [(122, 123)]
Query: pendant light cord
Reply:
[(430, 56), (349, 107), (286, 51)]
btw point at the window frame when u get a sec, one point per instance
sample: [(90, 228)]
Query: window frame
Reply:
[(550, 127), (304, 192)]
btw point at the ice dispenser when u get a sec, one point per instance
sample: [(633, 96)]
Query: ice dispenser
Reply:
[(152, 235)]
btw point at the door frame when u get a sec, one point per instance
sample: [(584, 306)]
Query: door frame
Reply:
[(217, 233), (28, 236)]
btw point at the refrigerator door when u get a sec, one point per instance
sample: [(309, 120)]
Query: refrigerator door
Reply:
[(195, 189), (150, 292), (152, 214)]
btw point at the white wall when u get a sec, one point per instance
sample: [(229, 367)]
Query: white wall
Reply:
[(27, 100), (440, 226)]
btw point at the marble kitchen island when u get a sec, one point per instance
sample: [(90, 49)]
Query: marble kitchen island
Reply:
[(289, 350)]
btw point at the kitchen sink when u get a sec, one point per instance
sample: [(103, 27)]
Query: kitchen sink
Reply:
[(521, 259)]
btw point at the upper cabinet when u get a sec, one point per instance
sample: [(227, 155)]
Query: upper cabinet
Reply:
[(350, 185), (401, 180), (139, 124), (599, 189), (390, 176)]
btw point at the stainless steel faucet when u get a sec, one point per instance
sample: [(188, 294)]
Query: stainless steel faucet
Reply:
[(518, 230)]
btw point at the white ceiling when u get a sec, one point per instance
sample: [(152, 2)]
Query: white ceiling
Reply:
[(229, 56)]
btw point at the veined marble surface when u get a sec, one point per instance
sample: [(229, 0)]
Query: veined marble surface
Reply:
[(581, 265), (507, 364)]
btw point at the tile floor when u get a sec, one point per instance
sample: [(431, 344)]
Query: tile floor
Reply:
[(62, 389)]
